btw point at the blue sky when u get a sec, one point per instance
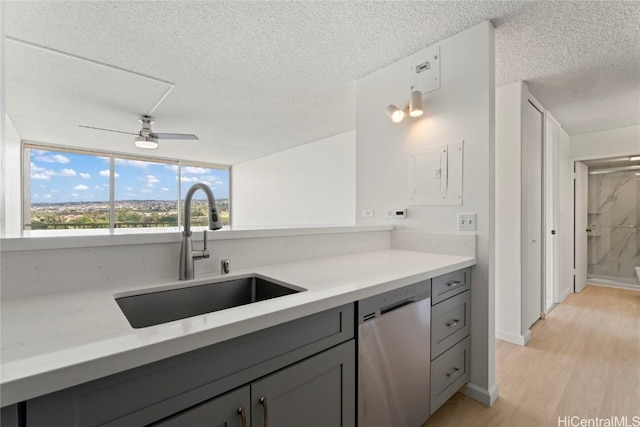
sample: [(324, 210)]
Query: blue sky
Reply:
[(70, 177)]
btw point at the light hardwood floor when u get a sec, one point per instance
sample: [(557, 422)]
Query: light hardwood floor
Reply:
[(583, 360)]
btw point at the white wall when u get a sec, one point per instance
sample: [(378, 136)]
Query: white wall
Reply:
[(312, 184), (462, 109), (508, 190), (10, 182), (607, 143)]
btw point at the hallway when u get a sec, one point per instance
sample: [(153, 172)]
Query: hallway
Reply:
[(583, 361)]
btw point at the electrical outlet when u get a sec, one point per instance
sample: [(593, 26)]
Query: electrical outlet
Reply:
[(367, 213), (466, 222), (396, 213)]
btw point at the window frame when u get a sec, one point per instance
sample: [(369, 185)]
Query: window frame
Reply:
[(112, 156)]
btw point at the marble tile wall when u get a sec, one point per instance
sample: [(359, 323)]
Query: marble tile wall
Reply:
[(614, 218)]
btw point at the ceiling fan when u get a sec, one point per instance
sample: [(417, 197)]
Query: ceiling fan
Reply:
[(146, 138)]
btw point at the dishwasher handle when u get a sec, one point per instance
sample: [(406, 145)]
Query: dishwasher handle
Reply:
[(395, 306)]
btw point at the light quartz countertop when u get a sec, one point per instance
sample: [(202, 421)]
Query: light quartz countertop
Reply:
[(51, 342)]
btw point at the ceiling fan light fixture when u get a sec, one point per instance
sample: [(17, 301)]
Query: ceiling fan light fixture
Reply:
[(146, 142)]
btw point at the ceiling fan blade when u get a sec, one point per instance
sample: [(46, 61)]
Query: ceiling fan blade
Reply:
[(173, 135), (108, 130)]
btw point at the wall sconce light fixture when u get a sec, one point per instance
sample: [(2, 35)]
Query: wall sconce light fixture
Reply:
[(396, 114), (414, 109), (415, 103)]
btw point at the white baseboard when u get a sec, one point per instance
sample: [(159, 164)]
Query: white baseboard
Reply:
[(514, 338), (564, 295), (482, 395)]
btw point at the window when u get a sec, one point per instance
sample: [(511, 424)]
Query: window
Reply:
[(146, 194), (67, 189), (217, 180)]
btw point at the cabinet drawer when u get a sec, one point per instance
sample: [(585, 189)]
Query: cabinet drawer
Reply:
[(449, 372), (228, 410), (451, 284), (450, 322)]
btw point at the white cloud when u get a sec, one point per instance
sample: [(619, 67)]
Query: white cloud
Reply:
[(98, 187), (53, 158), (42, 186), (193, 170), (75, 194), (43, 176), (36, 168), (48, 196), (55, 191), (146, 190), (152, 180), (216, 180), (165, 189), (67, 172), (85, 175), (129, 188), (189, 179), (81, 187), (135, 163), (106, 173), (171, 167)]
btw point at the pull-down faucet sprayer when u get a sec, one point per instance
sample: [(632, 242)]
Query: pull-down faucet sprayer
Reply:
[(187, 254)]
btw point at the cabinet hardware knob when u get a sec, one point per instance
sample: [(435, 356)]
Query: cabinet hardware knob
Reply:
[(265, 409), (453, 323), (243, 415), (452, 284), (453, 373)]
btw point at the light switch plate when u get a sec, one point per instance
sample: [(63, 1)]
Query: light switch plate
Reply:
[(466, 222)]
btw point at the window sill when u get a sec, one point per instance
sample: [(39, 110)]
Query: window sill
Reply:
[(60, 239)]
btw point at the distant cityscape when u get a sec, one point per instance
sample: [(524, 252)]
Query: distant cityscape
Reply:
[(128, 214)]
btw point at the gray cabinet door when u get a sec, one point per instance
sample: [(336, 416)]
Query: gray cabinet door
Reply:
[(317, 392), (228, 410)]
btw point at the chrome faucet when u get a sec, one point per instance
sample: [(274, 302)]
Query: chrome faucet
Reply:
[(187, 254)]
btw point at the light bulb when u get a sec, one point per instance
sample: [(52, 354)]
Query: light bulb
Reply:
[(415, 104), (395, 113), (147, 142)]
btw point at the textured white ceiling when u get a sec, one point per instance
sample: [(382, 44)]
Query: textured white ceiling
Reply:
[(257, 77)]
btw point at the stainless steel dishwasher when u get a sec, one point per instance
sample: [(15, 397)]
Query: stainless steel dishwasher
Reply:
[(394, 345)]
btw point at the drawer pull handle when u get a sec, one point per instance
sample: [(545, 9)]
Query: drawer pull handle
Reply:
[(453, 323), (453, 373), (243, 415), (265, 408), (453, 284)]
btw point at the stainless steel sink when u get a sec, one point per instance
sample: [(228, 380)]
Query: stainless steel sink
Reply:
[(154, 308)]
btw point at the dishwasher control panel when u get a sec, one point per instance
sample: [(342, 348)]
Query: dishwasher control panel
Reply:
[(377, 305)]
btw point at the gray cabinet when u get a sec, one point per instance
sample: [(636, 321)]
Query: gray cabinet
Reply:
[(184, 389), (229, 410), (318, 392), (10, 416), (450, 323), (450, 330)]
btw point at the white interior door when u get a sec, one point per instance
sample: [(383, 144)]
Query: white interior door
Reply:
[(580, 231), (551, 210), (531, 215)]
